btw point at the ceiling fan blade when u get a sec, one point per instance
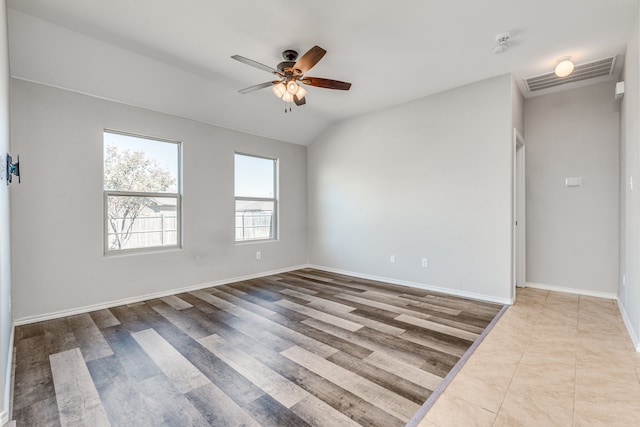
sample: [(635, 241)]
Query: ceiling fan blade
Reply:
[(254, 64), (309, 59), (257, 87), (300, 101), (326, 83)]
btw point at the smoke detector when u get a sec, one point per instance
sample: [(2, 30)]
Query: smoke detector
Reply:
[(502, 42)]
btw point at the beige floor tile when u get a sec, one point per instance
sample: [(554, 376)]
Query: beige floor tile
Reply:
[(560, 316), (619, 414), (451, 411), (524, 311), (551, 355), (606, 385), (531, 293), (556, 335), (539, 395), (485, 378), (508, 334), (562, 297)]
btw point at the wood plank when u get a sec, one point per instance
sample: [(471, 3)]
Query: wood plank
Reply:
[(434, 361), (334, 341), (104, 319), (351, 405), (371, 392), (239, 302), (90, 339), (41, 413), (269, 413), (436, 344), (317, 413), (218, 408), (279, 388), (403, 370), (176, 302), (319, 302), (76, 395), (167, 404), (180, 371), (382, 376), (283, 332), (325, 317), (287, 393), (366, 342), (135, 361), (125, 404), (187, 321), (34, 386), (426, 324)]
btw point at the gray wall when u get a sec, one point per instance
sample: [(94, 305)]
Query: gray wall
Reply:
[(6, 319), (58, 261), (629, 292), (572, 232), (427, 179)]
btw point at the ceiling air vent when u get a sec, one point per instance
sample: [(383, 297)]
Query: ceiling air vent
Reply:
[(590, 70)]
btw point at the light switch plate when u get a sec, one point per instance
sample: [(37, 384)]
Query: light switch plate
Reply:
[(573, 181)]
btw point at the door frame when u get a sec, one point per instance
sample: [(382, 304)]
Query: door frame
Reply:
[(518, 223)]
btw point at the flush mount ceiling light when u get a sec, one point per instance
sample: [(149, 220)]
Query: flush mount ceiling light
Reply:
[(564, 67), (502, 42)]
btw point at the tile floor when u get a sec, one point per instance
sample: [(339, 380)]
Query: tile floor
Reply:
[(553, 359)]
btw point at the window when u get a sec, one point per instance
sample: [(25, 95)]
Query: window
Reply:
[(256, 202), (142, 203)]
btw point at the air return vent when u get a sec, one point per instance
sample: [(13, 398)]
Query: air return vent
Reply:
[(590, 70)]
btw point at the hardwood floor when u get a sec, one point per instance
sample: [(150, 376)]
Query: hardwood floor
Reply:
[(302, 348)]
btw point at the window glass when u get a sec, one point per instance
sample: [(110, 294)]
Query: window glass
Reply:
[(255, 194), (142, 201), (254, 176)]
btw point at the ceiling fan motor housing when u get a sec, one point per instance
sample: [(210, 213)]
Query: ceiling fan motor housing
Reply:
[(290, 55)]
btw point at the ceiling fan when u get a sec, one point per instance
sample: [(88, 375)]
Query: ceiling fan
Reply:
[(291, 72)]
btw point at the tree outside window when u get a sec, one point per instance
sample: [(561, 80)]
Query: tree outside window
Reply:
[(142, 202)]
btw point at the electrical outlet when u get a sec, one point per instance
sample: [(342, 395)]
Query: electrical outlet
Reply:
[(425, 263), (392, 259), (258, 255)]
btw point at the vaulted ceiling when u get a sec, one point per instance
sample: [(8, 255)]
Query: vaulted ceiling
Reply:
[(174, 55)]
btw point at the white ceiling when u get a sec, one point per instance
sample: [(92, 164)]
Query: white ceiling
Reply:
[(174, 55)]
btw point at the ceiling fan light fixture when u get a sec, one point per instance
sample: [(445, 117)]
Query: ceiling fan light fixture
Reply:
[(279, 89), (292, 87), (287, 97), (301, 92), (564, 67)]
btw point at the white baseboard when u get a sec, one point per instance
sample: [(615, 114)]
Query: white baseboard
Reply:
[(630, 329), (576, 291), (80, 310), (456, 292)]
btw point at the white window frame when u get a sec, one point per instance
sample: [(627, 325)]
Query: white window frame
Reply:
[(275, 216), (177, 196)]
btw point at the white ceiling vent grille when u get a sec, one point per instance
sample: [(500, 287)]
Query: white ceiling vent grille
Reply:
[(590, 70)]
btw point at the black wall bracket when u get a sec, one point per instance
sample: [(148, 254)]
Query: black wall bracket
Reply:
[(12, 168)]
